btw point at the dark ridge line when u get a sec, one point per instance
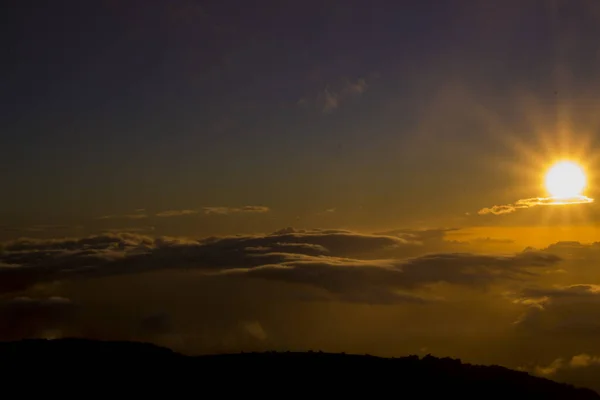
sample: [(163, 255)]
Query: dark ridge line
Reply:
[(338, 371)]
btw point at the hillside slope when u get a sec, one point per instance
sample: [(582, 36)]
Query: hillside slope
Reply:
[(121, 365)]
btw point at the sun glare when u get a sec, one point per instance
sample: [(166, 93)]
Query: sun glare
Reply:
[(565, 179)]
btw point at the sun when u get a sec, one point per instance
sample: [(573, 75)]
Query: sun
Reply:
[(565, 179)]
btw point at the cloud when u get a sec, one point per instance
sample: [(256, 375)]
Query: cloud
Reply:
[(544, 297), (235, 210), (578, 361), (331, 98), (427, 240), (581, 369), (327, 211), (144, 229), (354, 277), (176, 213), (23, 317), (563, 306), (575, 250), (338, 261), (37, 260), (532, 202), (306, 288), (300, 248), (489, 240), (420, 235), (255, 329), (560, 310), (138, 214)]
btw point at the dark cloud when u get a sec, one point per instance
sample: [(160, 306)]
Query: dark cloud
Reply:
[(562, 310), (299, 248), (338, 261), (384, 277), (575, 250), (28, 261), (581, 370), (436, 240), (29, 317), (580, 261)]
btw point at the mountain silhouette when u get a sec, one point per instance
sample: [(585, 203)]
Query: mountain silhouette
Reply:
[(118, 366)]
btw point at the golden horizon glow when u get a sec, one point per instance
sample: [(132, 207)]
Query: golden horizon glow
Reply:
[(565, 179)]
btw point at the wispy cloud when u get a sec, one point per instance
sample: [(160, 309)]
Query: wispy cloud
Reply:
[(140, 213), (330, 98), (26, 316), (578, 361), (129, 230), (327, 211), (489, 240), (235, 210), (559, 310), (176, 213), (532, 202)]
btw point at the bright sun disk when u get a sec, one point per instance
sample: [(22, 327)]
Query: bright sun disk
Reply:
[(565, 179)]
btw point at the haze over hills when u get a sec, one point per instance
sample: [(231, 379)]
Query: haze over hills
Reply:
[(147, 366)]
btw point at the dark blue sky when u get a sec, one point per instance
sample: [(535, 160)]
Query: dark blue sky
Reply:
[(110, 106)]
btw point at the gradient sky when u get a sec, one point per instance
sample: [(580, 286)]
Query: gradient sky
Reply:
[(358, 124), (113, 106)]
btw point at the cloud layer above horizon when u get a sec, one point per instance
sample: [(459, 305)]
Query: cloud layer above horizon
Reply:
[(341, 262), (432, 291)]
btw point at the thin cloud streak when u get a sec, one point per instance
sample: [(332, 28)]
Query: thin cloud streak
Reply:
[(579, 361), (176, 213), (235, 210), (532, 202), (330, 99), (126, 216), (218, 210)]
